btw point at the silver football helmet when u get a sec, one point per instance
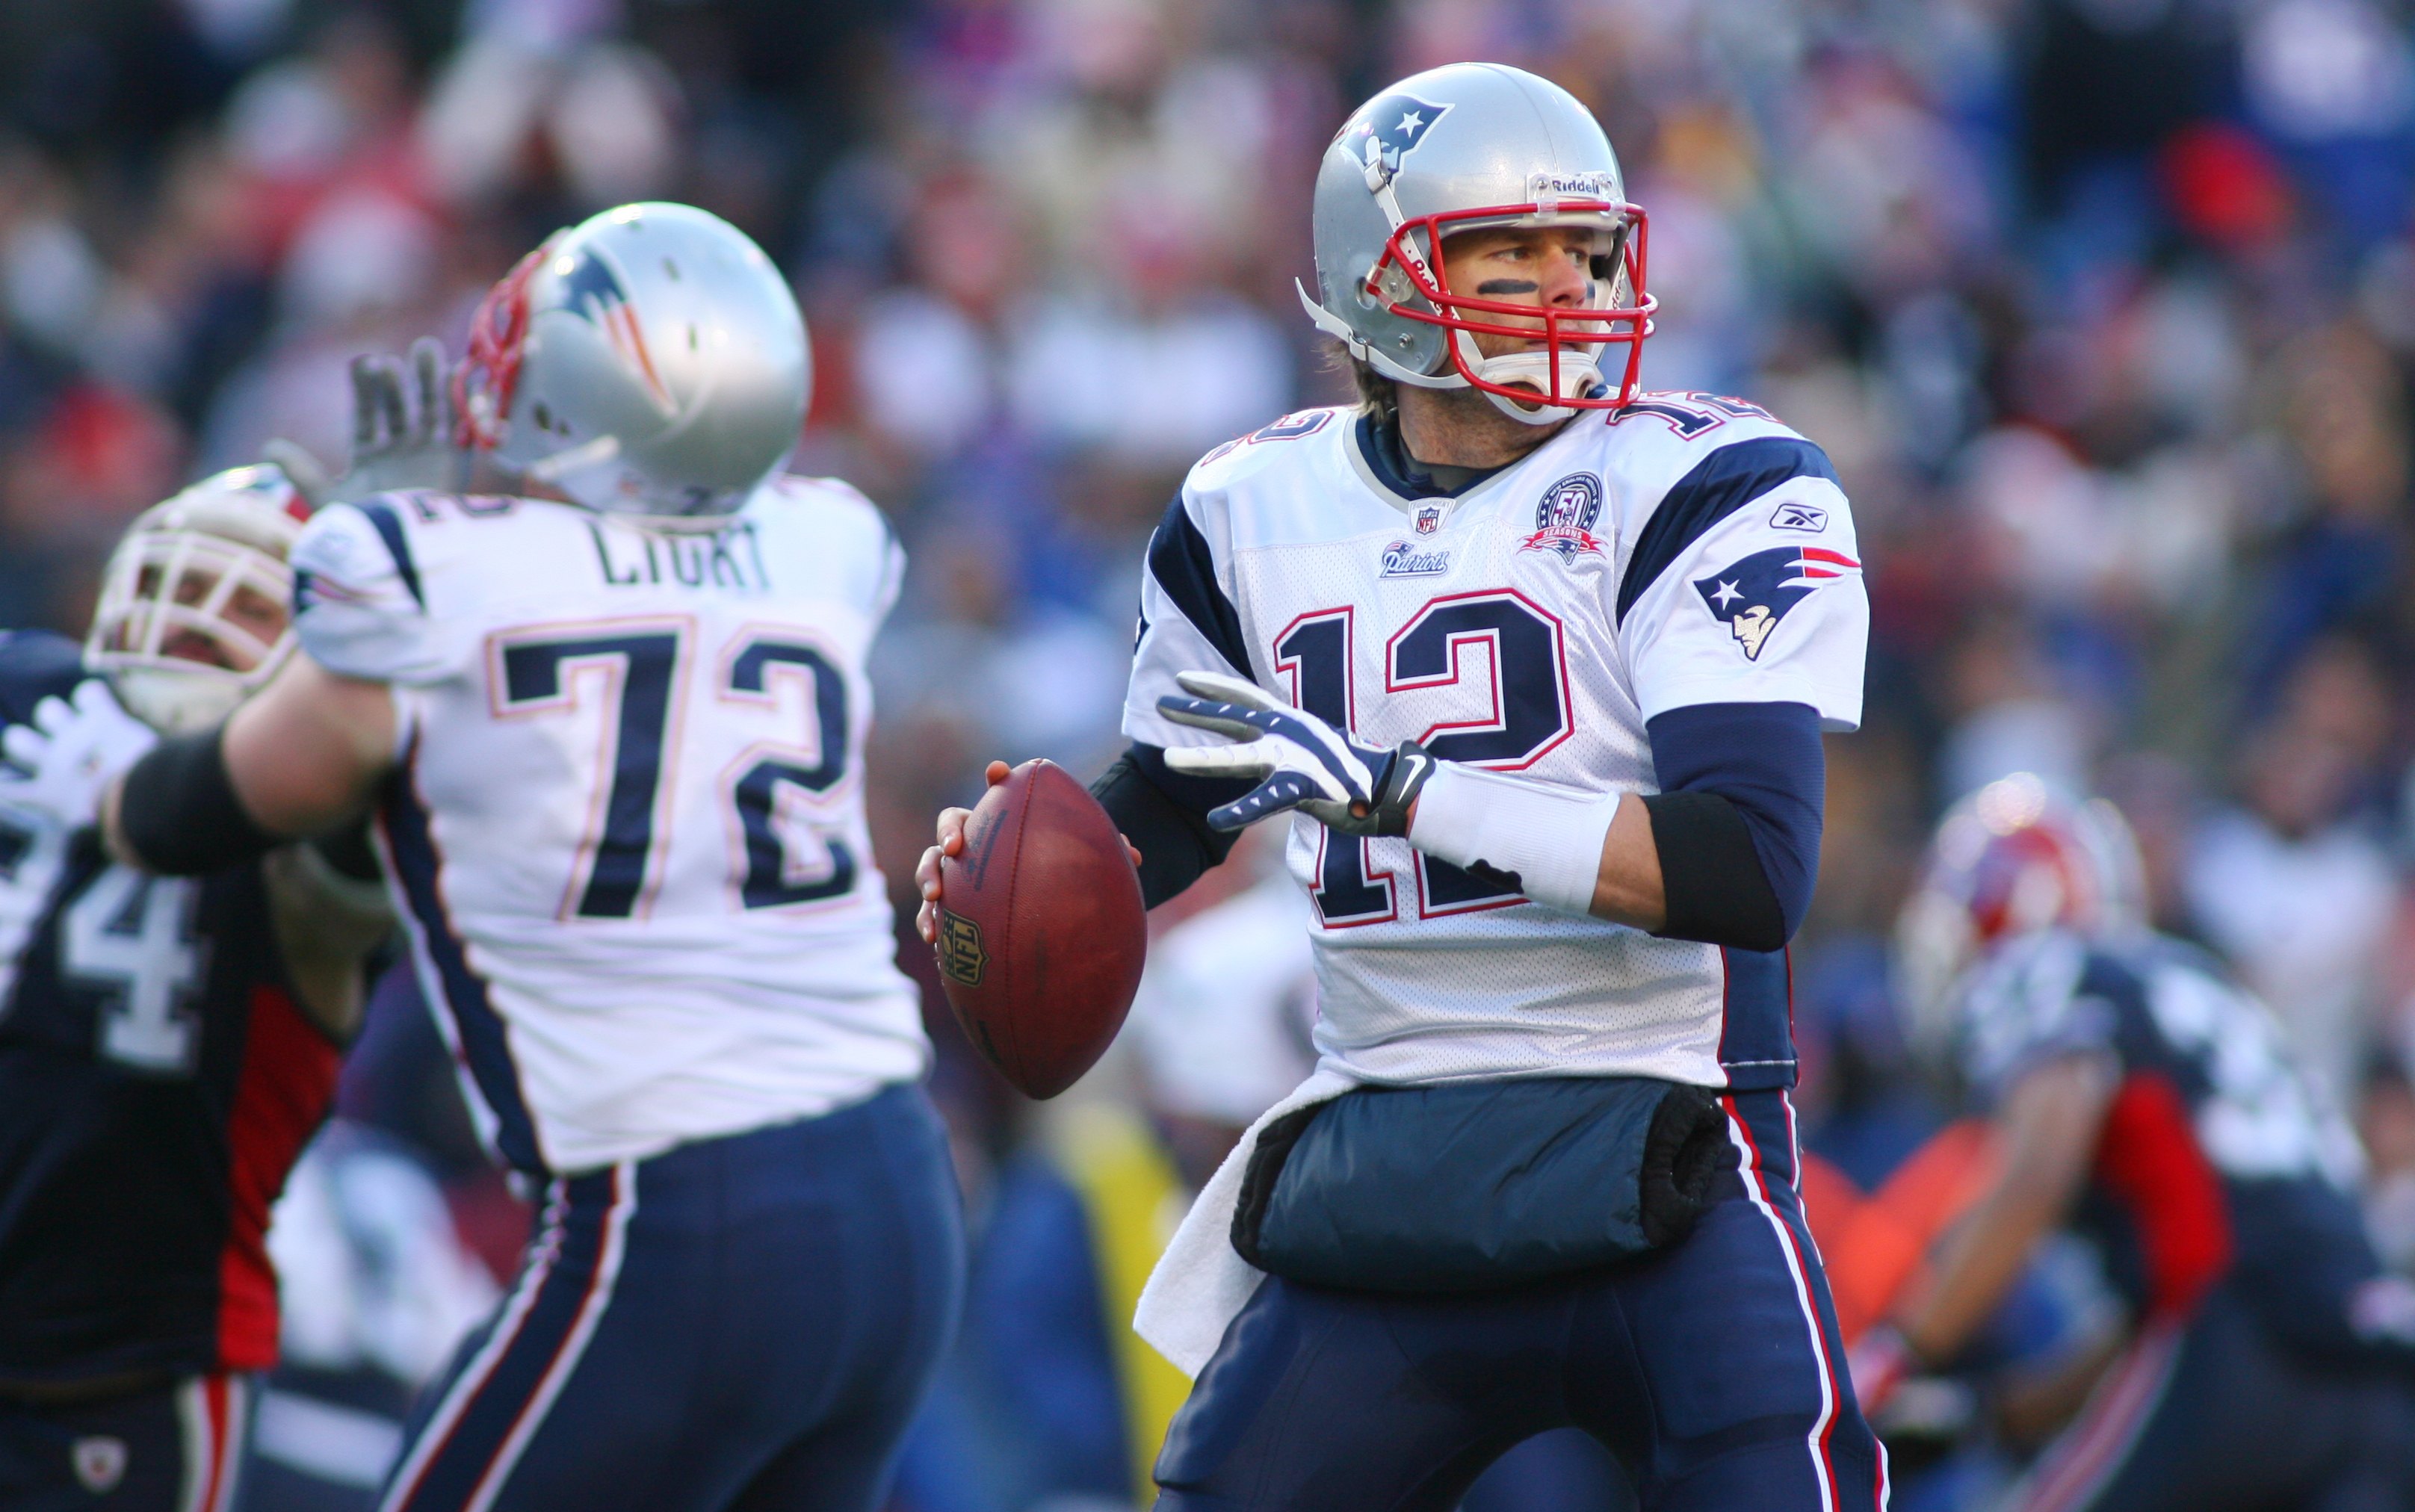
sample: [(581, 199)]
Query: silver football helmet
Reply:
[(1448, 150), (193, 611), (650, 360)]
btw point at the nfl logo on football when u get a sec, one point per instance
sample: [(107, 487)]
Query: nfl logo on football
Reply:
[(1563, 519)]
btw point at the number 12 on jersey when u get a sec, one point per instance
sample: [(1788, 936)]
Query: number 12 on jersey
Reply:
[(786, 854), (1529, 715)]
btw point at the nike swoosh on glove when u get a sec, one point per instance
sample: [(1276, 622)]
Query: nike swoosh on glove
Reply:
[(70, 753), (1298, 760)]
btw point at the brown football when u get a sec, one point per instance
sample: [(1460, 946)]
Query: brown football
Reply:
[(1042, 931)]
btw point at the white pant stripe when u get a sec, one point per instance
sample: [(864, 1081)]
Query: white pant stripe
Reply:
[(1821, 1469), (2078, 1465), (465, 1386), (566, 1360)]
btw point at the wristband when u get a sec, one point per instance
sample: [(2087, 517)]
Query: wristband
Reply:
[(179, 812), (1545, 841)]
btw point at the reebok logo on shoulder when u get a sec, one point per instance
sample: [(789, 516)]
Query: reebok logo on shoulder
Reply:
[(1808, 519)]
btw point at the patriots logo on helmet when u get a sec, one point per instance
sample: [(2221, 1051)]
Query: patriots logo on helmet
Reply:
[(592, 291), (1389, 130), (1751, 595)]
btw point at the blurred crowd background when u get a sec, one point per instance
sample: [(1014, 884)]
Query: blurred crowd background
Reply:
[(2105, 310)]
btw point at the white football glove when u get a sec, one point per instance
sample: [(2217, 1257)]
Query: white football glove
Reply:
[(70, 753), (1299, 762)]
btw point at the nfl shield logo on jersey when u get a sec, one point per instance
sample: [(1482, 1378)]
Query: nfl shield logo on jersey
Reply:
[(99, 1463), (1429, 519), (1751, 595), (1563, 519)]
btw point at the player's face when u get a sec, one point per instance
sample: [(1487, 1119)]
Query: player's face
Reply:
[(1545, 266), (248, 609)]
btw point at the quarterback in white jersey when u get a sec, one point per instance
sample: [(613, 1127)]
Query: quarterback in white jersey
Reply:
[(1537, 666), (1687, 550), (611, 719)]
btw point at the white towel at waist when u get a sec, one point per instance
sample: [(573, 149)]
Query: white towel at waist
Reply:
[(1201, 1282)]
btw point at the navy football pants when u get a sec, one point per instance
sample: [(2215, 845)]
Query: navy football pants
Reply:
[(2211, 1417), (739, 1324), (1712, 1371), (172, 1448)]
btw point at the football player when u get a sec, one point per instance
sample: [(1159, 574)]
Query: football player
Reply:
[(1535, 666), (2140, 1096), (611, 726), (167, 1045)]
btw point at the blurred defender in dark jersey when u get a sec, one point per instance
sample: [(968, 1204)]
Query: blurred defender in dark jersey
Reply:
[(2144, 1101), (167, 1045)]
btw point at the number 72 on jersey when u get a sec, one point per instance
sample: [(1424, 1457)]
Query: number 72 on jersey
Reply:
[(789, 846)]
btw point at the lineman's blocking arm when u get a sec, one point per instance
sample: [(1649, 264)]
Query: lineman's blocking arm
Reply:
[(300, 758)]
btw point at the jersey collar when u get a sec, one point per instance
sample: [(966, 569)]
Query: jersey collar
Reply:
[(1385, 463)]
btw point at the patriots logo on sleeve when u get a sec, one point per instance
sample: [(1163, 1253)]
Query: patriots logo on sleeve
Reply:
[(1752, 595), (1389, 130)]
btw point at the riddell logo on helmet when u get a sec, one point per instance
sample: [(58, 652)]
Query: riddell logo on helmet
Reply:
[(1545, 188)]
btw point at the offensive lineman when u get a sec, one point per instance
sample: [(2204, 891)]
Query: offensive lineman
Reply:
[(2141, 1098), (167, 1046), (1538, 666), (612, 727)]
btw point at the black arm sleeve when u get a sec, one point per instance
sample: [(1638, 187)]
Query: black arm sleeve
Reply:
[(179, 812), (1165, 814), (1737, 820)]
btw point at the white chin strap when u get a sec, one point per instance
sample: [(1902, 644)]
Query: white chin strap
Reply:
[(1580, 377)]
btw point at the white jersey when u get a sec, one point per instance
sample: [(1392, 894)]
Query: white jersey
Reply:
[(628, 832), (1688, 550)]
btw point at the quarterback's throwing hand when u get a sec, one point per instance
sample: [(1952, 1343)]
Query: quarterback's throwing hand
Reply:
[(1301, 761), (70, 753)]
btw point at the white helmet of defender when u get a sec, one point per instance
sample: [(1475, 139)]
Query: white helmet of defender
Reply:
[(195, 603), (1455, 148), (650, 360)]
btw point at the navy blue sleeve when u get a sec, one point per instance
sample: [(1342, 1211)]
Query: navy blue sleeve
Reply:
[(1766, 760), (1163, 812), (36, 665)]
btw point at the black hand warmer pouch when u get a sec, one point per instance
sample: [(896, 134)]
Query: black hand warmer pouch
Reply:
[(1475, 1186)]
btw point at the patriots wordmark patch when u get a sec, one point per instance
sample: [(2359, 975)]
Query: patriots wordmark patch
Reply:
[(1751, 595), (1391, 129), (1401, 559), (1563, 519)]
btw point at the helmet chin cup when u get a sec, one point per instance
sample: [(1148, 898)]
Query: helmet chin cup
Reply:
[(178, 700), (1580, 377)]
